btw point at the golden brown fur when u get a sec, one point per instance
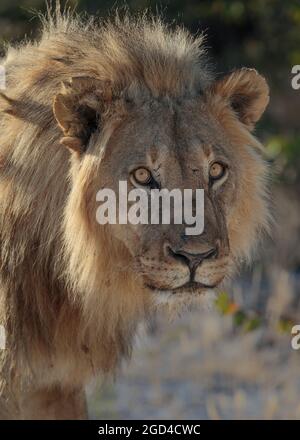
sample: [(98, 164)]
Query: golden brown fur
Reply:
[(69, 300)]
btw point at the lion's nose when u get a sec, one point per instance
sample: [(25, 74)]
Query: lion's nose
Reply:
[(193, 259)]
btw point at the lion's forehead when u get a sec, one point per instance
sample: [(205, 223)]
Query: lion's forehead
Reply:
[(171, 138)]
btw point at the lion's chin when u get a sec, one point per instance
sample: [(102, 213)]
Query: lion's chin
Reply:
[(183, 298)]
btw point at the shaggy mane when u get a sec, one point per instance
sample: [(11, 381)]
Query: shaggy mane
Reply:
[(128, 50)]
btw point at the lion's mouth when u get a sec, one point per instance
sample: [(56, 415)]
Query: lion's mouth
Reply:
[(189, 287)]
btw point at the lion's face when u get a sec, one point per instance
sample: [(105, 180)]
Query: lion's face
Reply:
[(148, 151), (189, 143)]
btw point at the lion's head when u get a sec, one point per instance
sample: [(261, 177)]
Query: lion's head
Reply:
[(151, 114), (153, 117)]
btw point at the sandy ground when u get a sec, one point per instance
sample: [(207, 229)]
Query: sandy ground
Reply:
[(203, 366)]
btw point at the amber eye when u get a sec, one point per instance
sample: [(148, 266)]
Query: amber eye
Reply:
[(216, 171), (142, 176)]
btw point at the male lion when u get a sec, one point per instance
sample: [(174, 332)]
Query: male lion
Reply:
[(87, 106)]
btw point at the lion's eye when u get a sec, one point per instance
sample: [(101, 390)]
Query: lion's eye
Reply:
[(142, 176), (216, 171)]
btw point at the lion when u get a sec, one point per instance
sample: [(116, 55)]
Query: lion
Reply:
[(87, 105)]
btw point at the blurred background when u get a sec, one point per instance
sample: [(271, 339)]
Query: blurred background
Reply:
[(236, 360)]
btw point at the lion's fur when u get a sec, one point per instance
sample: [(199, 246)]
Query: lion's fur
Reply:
[(69, 311)]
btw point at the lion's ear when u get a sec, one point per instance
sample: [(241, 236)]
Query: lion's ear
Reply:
[(246, 92), (77, 109)]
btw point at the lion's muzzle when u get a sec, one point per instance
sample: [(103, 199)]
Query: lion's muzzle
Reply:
[(192, 269)]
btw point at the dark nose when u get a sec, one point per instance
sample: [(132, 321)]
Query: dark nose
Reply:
[(193, 260)]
